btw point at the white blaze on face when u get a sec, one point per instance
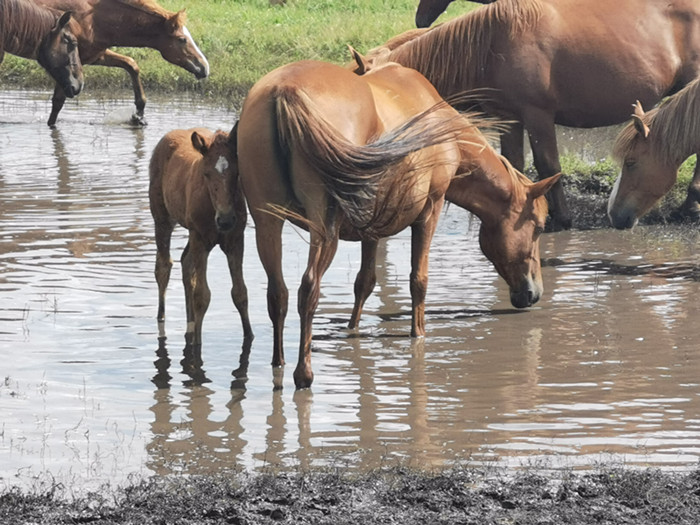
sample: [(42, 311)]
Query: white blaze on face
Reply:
[(221, 165), (202, 58)]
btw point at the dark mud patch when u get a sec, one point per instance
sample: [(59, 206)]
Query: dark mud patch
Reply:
[(464, 496)]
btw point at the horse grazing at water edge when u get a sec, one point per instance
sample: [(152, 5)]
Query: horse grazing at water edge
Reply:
[(194, 183), (129, 23), (44, 35), (568, 62), (361, 157), (651, 148)]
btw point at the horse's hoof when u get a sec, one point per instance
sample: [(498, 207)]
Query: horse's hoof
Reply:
[(138, 120), (303, 378)]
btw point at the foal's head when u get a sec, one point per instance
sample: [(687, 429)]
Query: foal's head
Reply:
[(220, 169), (58, 54)]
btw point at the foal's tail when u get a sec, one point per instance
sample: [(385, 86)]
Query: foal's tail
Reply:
[(353, 174)]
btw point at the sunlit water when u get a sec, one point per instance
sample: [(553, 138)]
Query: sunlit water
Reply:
[(605, 366)]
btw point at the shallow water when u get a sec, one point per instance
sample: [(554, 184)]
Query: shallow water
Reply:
[(605, 366)]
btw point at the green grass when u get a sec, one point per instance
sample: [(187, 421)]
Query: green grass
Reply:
[(244, 39)]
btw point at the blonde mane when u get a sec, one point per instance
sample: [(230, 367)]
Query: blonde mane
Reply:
[(674, 128), (465, 40)]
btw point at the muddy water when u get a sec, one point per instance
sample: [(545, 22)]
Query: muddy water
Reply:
[(605, 366)]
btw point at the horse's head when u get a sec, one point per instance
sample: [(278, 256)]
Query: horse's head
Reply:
[(509, 237), (177, 46), (58, 54), (645, 176), (220, 168)]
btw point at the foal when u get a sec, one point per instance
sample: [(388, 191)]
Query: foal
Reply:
[(194, 183)]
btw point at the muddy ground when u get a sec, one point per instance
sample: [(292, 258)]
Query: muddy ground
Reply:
[(463, 496)]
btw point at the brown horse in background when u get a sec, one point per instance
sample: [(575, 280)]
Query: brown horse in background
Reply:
[(651, 148), (44, 35), (429, 10), (574, 63), (361, 157), (129, 23), (194, 183)]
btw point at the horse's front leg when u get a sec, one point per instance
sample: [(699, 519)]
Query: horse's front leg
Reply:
[(232, 245), (543, 141), (365, 280), (57, 101), (321, 252), (422, 233), (691, 206), (197, 293), (112, 59), (512, 145)]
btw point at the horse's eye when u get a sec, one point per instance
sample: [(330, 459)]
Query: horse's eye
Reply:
[(630, 163), (539, 230), (182, 40)]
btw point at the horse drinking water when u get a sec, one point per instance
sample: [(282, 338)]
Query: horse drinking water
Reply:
[(130, 23), (194, 183), (568, 62), (44, 35), (358, 157), (651, 148)]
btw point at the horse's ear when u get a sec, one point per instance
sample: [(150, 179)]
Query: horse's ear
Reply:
[(63, 21), (199, 143), (362, 64), (541, 187), (176, 21), (233, 139), (638, 119)]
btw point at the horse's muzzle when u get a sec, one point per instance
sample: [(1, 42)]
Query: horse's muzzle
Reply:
[(225, 222), (622, 220), (526, 295)]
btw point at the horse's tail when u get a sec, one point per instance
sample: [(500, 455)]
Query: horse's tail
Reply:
[(353, 174)]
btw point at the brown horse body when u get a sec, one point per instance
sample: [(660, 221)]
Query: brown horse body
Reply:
[(45, 35), (194, 183), (651, 148), (355, 157), (131, 23), (541, 63)]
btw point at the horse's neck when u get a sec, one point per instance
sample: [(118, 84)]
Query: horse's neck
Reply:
[(23, 26), (485, 188), (120, 24)]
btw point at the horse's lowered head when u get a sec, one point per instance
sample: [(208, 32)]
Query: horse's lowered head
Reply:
[(646, 175), (510, 234), (58, 54), (219, 165), (177, 46)]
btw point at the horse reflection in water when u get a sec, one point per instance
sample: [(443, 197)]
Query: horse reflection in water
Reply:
[(37, 33), (651, 148), (361, 157), (128, 23), (194, 183)]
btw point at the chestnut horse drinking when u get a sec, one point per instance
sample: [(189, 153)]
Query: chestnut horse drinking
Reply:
[(574, 63), (651, 148), (194, 183), (361, 157), (130, 23), (44, 35)]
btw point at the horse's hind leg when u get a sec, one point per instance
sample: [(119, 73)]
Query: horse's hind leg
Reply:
[(197, 293), (365, 280), (321, 252), (232, 245), (163, 264)]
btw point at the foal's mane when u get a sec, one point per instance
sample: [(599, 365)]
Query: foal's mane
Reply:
[(465, 40), (674, 128), (25, 23)]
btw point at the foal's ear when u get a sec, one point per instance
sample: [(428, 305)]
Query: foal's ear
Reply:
[(363, 64), (541, 187), (199, 143), (638, 120)]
